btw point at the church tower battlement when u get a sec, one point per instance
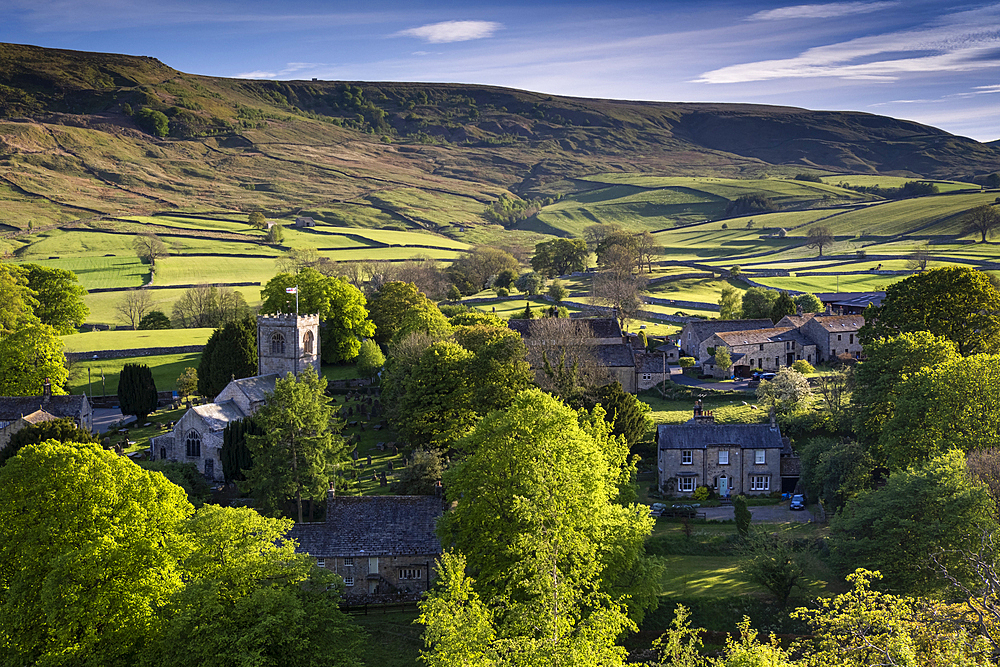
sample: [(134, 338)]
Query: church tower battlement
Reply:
[(287, 343)]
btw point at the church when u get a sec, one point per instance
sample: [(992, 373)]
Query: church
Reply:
[(285, 344)]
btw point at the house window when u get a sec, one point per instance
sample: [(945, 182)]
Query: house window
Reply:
[(762, 347), (760, 483), (647, 376), (193, 443), (752, 362), (838, 336), (307, 343), (758, 456), (320, 562), (723, 457), (277, 344), (686, 457), (685, 484), (852, 339), (348, 562), (409, 573), (348, 581)]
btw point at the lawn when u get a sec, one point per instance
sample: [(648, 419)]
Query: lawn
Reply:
[(395, 639), (102, 272), (728, 409), (127, 339), (181, 270), (102, 305), (165, 368), (835, 283)]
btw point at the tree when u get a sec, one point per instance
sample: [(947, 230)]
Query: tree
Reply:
[(959, 303), (619, 252), (132, 306), (297, 456), (530, 283), (59, 297), (209, 306), (235, 453), (539, 524), (185, 475), (647, 248), (932, 508), (28, 357), (773, 562), (297, 259), (785, 391), (752, 203), (819, 237), (993, 180), (722, 358), (17, 308), (730, 303), (743, 516), (90, 549), (187, 382), (946, 407), (391, 304), (783, 305), (628, 416), (499, 370), (505, 279), (154, 319), (876, 379), (257, 220), (275, 235), (340, 306), (60, 430), (809, 303), (137, 391), (421, 474), (622, 293), (595, 234), (153, 121), (475, 270), (758, 303), (982, 220), (835, 470), (230, 353), (370, 358), (559, 257), (918, 259), (149, 248)]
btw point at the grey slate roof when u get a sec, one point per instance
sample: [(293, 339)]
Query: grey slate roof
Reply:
[(701, 436), (703, 329), (614, 356), (757, 336), (218, 415), (600, 327), (838, 323), (650, 363), (13, 407), (372, 526), (258, 387)]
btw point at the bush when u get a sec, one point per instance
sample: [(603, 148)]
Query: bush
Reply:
[(700, 494), (502, 292), (803, 366), (685, 362), (153, 121)]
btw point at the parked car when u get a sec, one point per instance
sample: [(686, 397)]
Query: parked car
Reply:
[(766, 376), (798, 502)]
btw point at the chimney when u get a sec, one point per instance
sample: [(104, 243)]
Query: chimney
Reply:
[(829, 309), (798, 310), (773, 424), (330, 495), (697, 408), (46, 390)]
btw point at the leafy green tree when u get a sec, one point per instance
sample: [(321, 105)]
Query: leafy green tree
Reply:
[(370, 358), (454, 294), (982, 220), (950, 406), (275, 235), (28, 356), (90, 548), (59, 296), (876, 379), (17, 308), (60, 430), (809, 303), (530, 283), (628, 415), (137, 391), (231, 352), (783, 305), (785, 391), (680, 645), (730, 303), (154, 319), (773, 562), (748, 651), (758, 303), (391, 303), (559, 257), (475, 270), (619, 252), (752, 203), (558, 291), (152, 121), (340, 305), (421, 473), (936, 508), (723, 360), (298, 454), (498, 370), (149, 248), (836, 471), (257, 220), (505, 279), (235, 453), (185, 475), (187, 382), (959, 303), (471, 318), (803, 366)]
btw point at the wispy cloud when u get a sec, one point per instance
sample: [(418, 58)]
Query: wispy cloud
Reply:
[(284, 73), (824, 11), (452, 31)]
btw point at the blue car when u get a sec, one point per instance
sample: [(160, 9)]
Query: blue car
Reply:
[(798, 502)]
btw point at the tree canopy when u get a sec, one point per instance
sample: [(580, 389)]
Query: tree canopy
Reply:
[(758, 303), (391, 304), (231, 352), (559, 257), (28, 356), (59, 296), (137, 391), (475, 270)]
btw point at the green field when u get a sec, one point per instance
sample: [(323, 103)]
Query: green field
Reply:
[(126, 339), (102, 306), (102, 272), (165, 368), (871, 283)]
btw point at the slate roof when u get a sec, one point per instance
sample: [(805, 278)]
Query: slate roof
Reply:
[(756, 336), (859, 297), (650, 363), (218, 415), (703, 329), (600, 327), (372, 526), (838, 323), (258, 387), (614, 356), (14, 407), (700, 436)]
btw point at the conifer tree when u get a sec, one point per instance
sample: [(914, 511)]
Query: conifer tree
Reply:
[(137, 391)]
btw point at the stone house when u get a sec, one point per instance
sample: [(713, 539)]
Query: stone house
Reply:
[(695, 332), (758, 350), (379, 545), (732, 459), (9, 428), (285, 344), (302, 222), (652, 368), (14, 408), (834, 335)]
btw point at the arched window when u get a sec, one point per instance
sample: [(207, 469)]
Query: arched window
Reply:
[(193, 443), (277, 344), (307, 343)]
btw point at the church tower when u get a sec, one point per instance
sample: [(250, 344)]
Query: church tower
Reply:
[(287, 344)]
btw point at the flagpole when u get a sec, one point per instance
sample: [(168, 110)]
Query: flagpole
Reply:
[(297, 300)]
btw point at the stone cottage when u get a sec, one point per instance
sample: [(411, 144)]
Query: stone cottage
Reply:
[(16, 410), (379, 545)]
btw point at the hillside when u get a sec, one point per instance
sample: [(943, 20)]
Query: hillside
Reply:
[(371, 154)]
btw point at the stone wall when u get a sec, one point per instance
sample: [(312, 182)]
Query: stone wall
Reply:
[(133, 352)]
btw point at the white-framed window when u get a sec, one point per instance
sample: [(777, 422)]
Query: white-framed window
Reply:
[(320, 562), (723, 457), (348, 562), (759, 456), (348, 581), (685, 484), (760, 483), (409, 573), (687, 457), (647, 376)]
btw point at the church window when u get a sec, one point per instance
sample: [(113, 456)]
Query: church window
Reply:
[(277, 344), (307, 343), (193, 443)]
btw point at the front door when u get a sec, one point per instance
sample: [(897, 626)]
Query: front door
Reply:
[(724, 486), (789, 358)]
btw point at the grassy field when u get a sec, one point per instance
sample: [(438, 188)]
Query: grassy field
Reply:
[(165, 368), (102, 272), (102, 305), (126, 339), (832, 283), (396, 640)]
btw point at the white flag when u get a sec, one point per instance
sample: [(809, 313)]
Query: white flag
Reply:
[(292, 290)]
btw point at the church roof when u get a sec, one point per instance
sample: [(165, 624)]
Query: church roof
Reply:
[(373, 526), (258, 387), (217, 415)]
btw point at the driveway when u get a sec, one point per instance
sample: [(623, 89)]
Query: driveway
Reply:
[(763, 514), (677, 376), (105, 417)]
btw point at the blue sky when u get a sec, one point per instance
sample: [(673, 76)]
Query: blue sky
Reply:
[(932, 62)]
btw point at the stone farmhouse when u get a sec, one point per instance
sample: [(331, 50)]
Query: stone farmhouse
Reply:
[(17, 412), (696, 332), (379, 545), (285, 344), (731, 459)]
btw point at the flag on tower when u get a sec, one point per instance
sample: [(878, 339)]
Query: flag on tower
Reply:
[(292, 290)]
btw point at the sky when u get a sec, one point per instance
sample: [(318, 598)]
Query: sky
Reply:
[(932, 62)]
